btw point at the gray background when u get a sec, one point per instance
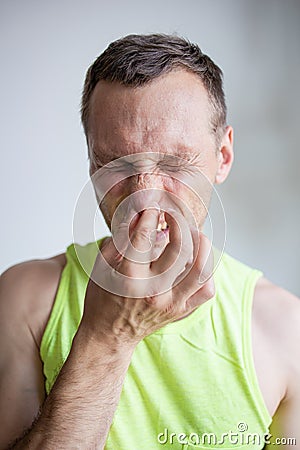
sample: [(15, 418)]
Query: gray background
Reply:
[(46, 48)]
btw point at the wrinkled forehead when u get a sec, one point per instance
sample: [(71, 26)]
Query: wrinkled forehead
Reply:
[(170, 115)]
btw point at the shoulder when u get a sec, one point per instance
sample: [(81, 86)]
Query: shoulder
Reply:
[(276, 310), (27, 293), (276, 320)]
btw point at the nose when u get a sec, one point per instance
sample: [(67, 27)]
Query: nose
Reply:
[(147, 181), (146, 189)]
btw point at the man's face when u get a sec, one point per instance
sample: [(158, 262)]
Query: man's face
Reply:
[(164, 132)]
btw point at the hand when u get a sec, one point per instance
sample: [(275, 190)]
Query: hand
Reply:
[(141, 294)]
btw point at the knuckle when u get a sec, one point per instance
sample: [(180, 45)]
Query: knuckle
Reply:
[(151, 300), (123, 226), (175, 308), (170, 308), (142, 234), (121, 232)]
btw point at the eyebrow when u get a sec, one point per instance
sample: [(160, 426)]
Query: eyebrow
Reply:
[(186, 153)]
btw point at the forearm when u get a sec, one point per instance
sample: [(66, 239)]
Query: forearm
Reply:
[(79, 410)]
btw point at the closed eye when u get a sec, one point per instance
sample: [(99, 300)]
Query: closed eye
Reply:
[(120, 167), (182, 167)]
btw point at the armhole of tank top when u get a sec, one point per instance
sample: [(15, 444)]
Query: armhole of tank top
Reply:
[(56, 309), (71, 257), (247, 345)]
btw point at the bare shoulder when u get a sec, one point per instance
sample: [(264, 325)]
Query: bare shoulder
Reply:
[(28, 290), (276, 310), (27, 294), (276, 338)]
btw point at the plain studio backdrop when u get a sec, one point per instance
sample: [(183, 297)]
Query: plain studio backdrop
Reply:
[(46, 48)]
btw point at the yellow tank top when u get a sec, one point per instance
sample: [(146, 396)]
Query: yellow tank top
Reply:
[(190, 385)]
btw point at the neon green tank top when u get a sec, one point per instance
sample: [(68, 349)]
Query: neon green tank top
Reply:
[(191, 384)]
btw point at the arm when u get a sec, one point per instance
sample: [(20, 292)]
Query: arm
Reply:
[(285, 428), (78, 412), (285, 424), (73, 405), (80, 408), (27, 291)]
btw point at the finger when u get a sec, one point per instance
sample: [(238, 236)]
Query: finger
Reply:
[(123, 221), (179, 250), (105, 261), (206, 292), (108, 251), (113, 248), (138, 254), (199, 274)]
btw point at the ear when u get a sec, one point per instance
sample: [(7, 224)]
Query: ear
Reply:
[(225, 156)]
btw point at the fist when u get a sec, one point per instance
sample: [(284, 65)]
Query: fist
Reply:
[(152, 271)]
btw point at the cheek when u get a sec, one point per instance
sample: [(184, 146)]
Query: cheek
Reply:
[(170, 184), (115, 195), (118, 187), (184, 190), (180, 194), (193, 202)]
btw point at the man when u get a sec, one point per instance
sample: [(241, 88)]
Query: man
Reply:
[(141, 345)]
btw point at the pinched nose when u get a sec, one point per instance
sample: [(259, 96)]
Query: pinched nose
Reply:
[(147, 181), (142, 199), (146, 190)]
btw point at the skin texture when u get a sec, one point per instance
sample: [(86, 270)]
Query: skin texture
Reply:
[(128, 122), (170, 115)]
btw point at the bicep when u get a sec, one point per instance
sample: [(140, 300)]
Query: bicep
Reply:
[(21, 390)]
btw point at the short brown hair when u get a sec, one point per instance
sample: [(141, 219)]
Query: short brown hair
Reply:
[(136, 60)]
